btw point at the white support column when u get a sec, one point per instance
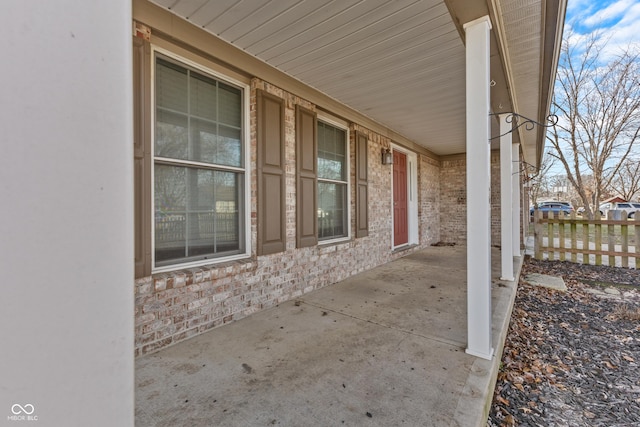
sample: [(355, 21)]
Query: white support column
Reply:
[(66, 323), (517, 207), (506, 199), (478, 189)]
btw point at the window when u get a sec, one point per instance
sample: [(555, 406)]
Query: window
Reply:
[(332, 182), (198, 164)]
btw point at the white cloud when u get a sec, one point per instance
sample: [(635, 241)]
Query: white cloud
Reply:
[(612, 11), (625, 32), (580, 10), (616, 23), (573, 6), (629, 22)]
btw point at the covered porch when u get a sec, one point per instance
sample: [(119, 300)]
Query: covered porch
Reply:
[(434, 80), (386, 347)]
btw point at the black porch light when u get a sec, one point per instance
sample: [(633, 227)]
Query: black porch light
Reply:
[(387, 156)]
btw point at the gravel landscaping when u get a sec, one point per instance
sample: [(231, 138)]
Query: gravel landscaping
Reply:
[(572, 358)]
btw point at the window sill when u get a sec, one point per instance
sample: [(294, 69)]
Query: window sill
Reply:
[(203, 263), (334, 241), (334, 245)]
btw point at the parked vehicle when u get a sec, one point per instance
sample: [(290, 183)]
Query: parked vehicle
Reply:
[(629, 207), (553, 208), (581, 209)]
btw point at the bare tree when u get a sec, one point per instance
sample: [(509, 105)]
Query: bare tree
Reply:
[(597, 100), (627, 182), (540, 183)]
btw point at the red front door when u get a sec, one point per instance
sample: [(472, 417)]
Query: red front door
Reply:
[(400, 222)]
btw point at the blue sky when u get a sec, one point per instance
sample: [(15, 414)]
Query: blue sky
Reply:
[(619, 20)]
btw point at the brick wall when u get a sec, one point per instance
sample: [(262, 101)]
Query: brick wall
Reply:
[(429, 199), (453, 199), (171, 307)]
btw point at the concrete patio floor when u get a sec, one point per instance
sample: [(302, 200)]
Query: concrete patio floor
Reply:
[(383, 348)]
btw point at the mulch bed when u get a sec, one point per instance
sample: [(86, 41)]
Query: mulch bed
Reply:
[(571, 358)]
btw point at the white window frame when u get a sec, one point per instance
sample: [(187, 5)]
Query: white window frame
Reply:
[(340, 124), (155, 51)]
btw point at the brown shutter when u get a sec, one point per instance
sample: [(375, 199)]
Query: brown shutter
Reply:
[(271, 174), (306, 177), (142, 156), (362, 187)]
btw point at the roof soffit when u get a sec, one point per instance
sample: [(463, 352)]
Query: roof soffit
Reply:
[(400, 63)]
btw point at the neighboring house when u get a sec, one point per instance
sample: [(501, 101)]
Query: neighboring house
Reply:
[(259, 132), (615, 199)]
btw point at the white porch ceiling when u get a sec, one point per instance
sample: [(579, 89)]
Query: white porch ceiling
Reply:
[(400, 62)]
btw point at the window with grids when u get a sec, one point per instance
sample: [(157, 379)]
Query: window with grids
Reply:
[(198, 166), (332, 182)]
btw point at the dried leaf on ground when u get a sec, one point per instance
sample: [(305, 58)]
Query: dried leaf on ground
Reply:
[(569, 357)]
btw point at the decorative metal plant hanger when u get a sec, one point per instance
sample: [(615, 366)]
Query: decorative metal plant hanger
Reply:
[(529, 124), (519, 120)]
